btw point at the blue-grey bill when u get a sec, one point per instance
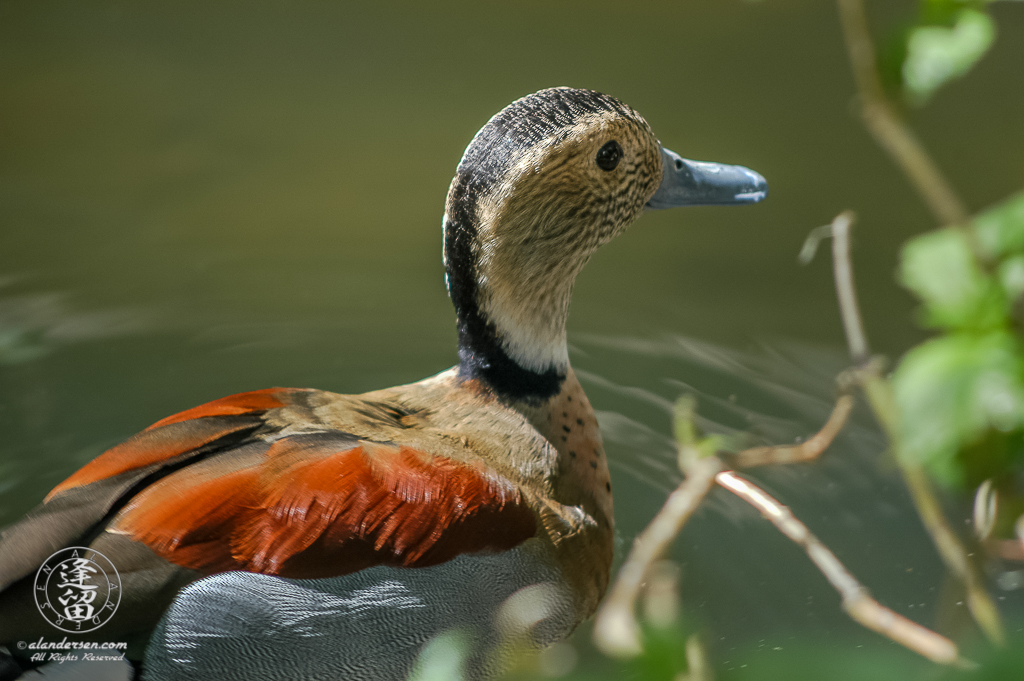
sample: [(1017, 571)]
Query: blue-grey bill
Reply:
[(699, 183)]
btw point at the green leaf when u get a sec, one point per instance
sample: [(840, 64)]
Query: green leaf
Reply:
[(664, 657), (1011, 276), (944, 12), (1000, 229), (938, 54), (950, 391), (941, 269)]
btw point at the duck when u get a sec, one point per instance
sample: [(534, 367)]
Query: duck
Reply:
[(294, 533)]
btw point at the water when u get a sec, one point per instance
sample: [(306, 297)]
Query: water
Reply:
[(199, 200)]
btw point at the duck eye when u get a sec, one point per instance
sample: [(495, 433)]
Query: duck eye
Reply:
[(609, 156)]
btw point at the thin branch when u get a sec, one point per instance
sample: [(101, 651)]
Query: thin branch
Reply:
[(839, 230), (616, 631), (891, 133), (845, 292), (880, 396), (952, 551), (856, 601), (954, 554), (808, 450)]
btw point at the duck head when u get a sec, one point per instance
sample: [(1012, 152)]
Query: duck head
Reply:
[(543, 184)]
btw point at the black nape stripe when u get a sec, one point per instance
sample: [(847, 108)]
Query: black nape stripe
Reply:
[(481, 356), (506, 377)]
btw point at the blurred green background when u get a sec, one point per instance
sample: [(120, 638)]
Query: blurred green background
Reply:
[(198, 199)]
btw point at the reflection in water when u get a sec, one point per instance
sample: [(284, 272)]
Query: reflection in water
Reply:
[(789, 388), (740, 577), (34, 324)]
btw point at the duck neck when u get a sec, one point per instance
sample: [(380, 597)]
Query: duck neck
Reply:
[(512, 301), (520, 353)]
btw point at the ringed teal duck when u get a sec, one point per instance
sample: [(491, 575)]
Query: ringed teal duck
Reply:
[(297, 533)]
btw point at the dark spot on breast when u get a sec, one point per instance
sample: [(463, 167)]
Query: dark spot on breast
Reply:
[(567, 429), (593, 464), (565, 414), (608, 486), (564, 438), (568, 398), (597, 453), (579, 422), (572, 454)]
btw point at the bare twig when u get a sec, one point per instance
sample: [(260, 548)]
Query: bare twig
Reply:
[(891, 133), (856, 601), (953, 554), (808, 450), (811, 243), (879, 394), (839, 230), (616, 631), (845, 291)]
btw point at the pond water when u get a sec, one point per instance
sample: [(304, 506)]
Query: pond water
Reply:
[(200, 199)]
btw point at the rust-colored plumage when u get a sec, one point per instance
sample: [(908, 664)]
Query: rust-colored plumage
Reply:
[(162, 442), (313, 504), (255, 401), (324, 504)]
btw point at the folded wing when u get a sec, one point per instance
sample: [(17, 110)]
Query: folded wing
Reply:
[(235, 485)]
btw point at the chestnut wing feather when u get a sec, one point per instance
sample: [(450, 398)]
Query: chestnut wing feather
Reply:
[(217, 488), (325, 504), (76, 510), (183, 432)]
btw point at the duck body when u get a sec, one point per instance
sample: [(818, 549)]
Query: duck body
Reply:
[(517, 551), (338, 520), (294, 533)]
